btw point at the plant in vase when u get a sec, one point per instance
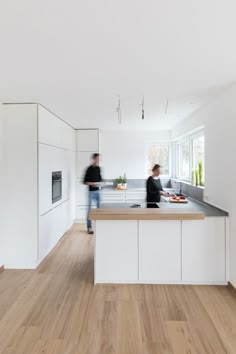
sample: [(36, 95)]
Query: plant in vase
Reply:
[(194, 182), (200, 173), (197, 177), (124, 181), (119, 182)]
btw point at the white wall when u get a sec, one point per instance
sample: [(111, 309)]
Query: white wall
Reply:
[(56, 152), (1, 183), (18, 169), (219, 120), (127, 151)]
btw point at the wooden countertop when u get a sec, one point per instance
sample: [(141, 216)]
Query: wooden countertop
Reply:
[(145, 214)]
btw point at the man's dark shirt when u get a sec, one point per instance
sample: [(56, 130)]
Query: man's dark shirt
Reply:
[(93, 174)]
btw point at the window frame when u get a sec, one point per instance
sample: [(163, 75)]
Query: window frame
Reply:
[(189, 138)]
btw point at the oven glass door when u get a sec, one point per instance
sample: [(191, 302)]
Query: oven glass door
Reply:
[(56, 187)]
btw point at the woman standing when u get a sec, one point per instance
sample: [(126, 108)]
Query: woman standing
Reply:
[(154, 188)]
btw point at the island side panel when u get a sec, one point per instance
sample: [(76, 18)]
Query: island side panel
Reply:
[(204, 251), (116, 251), (160, 251)]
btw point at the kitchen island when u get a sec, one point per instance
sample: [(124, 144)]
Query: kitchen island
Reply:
[(164, 245)]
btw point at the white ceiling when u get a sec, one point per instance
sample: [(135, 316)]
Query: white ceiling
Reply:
[(75, 57)]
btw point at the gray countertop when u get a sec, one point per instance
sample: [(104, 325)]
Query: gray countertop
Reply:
[(206, 209)]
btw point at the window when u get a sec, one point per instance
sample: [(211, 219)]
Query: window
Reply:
[(198, 151), (189, 154), (159, 153), (184, 161)]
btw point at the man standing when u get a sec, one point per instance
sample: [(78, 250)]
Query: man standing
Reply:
[(92, 178)]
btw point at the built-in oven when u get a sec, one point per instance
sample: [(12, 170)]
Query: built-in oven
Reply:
[(56, 186)]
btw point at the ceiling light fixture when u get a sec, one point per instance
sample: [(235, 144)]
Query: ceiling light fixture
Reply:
[(142, 104), (118, 110), (167, 104)]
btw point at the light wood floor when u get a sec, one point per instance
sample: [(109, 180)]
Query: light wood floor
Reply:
[(57, 310)]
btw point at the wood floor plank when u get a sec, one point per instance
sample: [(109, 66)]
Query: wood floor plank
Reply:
[(57, 309), (128, 335), (154, 333), (25, 342), (180, 338), (222, 315), (156, 348), (17, 313), (205, 335)]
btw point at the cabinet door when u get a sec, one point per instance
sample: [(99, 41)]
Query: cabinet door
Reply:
[(45, 235), (54, 131), (116, 251), (88, 140), (81, 193), (50, 231), (81, 213), (83, 160), (203, 250), (66, 216), (160, 251)]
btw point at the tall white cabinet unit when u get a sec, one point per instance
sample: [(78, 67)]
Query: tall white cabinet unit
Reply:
[(56, 152), (87, 143), (36, 143)]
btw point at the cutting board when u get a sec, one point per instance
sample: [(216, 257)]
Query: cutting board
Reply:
[(180, 201)]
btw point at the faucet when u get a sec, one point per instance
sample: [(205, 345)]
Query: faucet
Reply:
[(180, 188)]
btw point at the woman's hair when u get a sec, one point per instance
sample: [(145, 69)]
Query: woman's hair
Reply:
[(155, 167), (95, 155)]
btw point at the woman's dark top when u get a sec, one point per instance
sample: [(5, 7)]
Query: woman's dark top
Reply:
[(154, 188)]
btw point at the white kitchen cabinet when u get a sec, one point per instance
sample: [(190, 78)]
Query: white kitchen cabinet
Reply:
[(87, 144), (53, 159), (83, 160), (123, 196), (81, 193), (68, 137), (135, 195), (52, 227), (66, 215), (49, 128), (45, 235), (204, 250), (39, 144), (160, 251), (54, 131), (50, 230), (81, 213), (88, 140), (112, 196), (116, 250)]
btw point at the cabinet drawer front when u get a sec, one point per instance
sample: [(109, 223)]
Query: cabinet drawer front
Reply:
[(160, 251), (110, 197)]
